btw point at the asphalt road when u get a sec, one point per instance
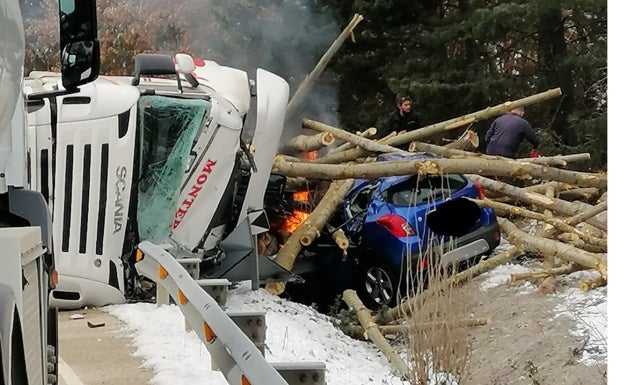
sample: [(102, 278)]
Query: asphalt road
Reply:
[(99, 355)]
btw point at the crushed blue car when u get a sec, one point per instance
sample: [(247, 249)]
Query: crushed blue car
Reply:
[(394, 220)]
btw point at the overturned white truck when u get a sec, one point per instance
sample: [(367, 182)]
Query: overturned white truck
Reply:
[(179, 154)]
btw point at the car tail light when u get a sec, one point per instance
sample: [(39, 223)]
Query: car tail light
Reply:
[(397, 225), (497, 235), (480, 190)]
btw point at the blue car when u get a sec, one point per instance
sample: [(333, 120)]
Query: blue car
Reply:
[(394, 220), (404, 217)]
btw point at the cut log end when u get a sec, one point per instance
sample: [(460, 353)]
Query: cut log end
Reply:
[(592, 284), (275, 288)]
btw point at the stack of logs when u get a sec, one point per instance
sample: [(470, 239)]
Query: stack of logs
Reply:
[(569, 206), (573, 230)]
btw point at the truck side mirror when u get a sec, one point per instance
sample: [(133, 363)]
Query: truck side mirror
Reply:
[(80, 49), (80, 63)]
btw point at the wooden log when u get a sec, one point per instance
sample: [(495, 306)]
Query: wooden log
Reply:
[(339, 236), (572, 239), (603, 198), (557, 160), (587, 214), (368, 133), (468, 141), (535, 275), (405, 329), (545, 246), (541, 188), (439, 166), (311, 142), (309, 80), (287, 255), (547, 286), (436, 324), (586, 232), (437, 128), (372, 332), (360, 141), (300, 183), (547, 230), (486, 265), (324, 211), (285, 158), (585, 194), (558, 205), (506, 210), (591, 284)]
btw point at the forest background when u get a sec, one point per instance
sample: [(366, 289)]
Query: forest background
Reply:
[(452, 57)]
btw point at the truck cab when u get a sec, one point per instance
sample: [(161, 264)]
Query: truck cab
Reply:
[(164, 155)]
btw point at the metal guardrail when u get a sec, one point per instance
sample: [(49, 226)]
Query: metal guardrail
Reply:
[(237, 357)]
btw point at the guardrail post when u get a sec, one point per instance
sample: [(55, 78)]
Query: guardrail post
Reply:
[(191, 265), (217, 288), (301, 373), (253, 324)]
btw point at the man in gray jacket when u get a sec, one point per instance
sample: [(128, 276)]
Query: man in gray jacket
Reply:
[(507, 132)]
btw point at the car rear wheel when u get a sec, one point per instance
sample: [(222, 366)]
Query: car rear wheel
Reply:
[(378, 286)]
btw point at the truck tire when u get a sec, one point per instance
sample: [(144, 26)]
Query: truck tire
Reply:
[(52, 346), (51, 365)]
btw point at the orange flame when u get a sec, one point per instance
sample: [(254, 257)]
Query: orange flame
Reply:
[(308, 156), (302, 196), (295, 220)]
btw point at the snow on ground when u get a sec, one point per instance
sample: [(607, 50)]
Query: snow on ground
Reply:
[(588, 310), (297, 333)]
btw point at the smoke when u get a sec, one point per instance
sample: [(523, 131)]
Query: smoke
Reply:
[(286, 37)]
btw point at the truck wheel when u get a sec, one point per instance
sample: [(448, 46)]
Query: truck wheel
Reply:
[(51, 365)]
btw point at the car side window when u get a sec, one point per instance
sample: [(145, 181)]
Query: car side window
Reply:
[(360, 201)]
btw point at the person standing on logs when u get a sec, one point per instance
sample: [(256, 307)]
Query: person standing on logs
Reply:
[(507, 132)]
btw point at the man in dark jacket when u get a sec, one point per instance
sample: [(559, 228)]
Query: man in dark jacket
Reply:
[(507, 132), (401, 119)]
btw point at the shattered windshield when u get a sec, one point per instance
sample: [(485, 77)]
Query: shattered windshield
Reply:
[(168, 127)]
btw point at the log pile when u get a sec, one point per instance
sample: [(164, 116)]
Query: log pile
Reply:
[(573, 233), (568, 206)]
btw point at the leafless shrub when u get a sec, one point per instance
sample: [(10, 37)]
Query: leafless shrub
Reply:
[(437, 339)]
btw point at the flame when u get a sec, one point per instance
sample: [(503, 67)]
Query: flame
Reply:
[(295, 220), (308, 156), (302, 196)]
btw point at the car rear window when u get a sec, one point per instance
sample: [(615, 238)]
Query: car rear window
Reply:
[(413, 192)]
